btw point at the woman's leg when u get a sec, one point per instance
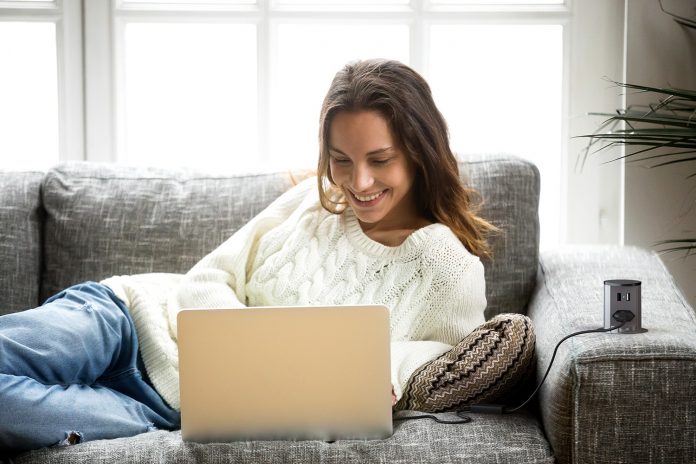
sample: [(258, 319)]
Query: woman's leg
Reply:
[(69, 370), (35, 415), (485, 365)]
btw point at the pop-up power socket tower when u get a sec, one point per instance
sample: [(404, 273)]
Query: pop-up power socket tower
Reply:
[(621, 296)]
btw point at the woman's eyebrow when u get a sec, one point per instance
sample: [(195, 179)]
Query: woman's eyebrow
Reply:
[(337, 151), (379, 151)]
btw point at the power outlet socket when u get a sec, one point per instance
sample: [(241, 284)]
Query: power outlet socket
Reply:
[(623, 295)]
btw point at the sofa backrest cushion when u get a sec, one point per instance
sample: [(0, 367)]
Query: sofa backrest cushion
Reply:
[(20, 240), (104, 220), (509, 188)]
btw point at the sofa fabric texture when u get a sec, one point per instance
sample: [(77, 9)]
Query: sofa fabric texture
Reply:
[(486, 440), (607, 393), (509, 188), (21, 218), (105, 220)]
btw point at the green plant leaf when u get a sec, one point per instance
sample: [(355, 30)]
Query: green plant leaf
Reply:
[(668, 125)]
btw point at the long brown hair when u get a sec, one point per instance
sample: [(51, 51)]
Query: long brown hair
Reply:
[(404, 99)]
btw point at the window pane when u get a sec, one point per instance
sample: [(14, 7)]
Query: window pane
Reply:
[(28, 95), (498, 2), (189, 96), (194, 3), (342, 2), (503, 93), (308, 57)]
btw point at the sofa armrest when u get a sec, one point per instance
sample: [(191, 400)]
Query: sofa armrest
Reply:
[(614, 397)]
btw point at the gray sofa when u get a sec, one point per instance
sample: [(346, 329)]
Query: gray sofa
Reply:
[(609, 397)]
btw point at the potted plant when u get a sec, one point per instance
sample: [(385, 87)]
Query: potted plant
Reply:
[(659, 134)]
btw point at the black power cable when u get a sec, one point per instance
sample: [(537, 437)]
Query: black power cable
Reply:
[(461, 413), (622, 317)]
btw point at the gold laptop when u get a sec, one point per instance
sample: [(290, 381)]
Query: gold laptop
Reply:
[(297, 373)]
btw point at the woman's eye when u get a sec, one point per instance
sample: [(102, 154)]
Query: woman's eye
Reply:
[(381, 161), (341, 160)]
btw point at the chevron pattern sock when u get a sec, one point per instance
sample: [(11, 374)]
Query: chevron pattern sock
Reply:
[(484, 366)]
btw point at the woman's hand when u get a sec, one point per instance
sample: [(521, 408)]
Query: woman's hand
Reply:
[(393, 397)]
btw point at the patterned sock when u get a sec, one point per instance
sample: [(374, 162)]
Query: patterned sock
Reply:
[(484, 366)]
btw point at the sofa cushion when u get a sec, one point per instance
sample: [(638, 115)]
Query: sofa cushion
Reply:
[(104, 219), (509, 187), (487, 439), (20, 240)]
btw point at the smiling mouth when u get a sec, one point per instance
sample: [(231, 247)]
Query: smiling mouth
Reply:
[(368, 197), (368, 200)]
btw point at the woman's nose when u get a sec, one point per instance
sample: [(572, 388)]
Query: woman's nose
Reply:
[(362, 178)]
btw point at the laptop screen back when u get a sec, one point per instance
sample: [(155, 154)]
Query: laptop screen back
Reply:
[(285, 373)]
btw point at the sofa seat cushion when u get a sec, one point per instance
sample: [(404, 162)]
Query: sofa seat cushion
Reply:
[(514, 438)]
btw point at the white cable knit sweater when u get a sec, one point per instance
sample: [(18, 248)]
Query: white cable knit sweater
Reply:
[(296, 253)]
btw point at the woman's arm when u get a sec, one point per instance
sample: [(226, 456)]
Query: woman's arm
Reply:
[(219, 279), (456, 307)]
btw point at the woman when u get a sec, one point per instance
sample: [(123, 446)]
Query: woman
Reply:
[(390, 223)]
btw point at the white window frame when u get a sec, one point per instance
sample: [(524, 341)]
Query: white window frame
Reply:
[(104, 21), (67, 16), (88, 77)]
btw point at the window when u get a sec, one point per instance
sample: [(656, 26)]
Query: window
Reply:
[(236, 85), (40, 83), (188, 95), (29, 86), (504, 97), (300, 80)]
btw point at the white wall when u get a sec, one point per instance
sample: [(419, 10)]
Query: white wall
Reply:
[(593, 205), (660, 52)]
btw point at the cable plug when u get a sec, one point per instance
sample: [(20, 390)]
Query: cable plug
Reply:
[(623, 315), (486, 408)]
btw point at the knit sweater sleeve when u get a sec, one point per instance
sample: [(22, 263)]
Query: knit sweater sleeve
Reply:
[(459, 303), (219, 279)]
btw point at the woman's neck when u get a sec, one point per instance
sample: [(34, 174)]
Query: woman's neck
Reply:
[(392, 234)]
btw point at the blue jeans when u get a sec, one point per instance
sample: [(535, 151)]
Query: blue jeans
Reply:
[(70, 371)]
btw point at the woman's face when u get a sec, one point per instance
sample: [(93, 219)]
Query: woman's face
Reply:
[(369, 166)]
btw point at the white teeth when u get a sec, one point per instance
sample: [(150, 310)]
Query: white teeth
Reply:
[(368, 198)]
